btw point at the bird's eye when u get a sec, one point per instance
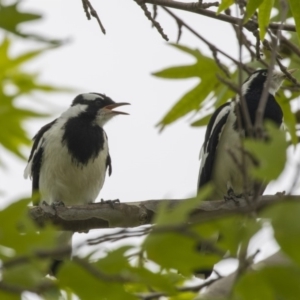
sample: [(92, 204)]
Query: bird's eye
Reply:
[(264, 74)]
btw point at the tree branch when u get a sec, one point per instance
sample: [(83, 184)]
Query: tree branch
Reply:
[(196, 8), (132, 214)]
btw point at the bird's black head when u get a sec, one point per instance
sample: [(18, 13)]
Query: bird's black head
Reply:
[(97, 105), (257, 80)]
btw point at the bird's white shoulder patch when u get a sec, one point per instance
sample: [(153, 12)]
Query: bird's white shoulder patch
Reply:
[(221, 114), (28, 169)]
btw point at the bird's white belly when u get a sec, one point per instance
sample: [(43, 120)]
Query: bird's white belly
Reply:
[(226, 172), (66, 180)]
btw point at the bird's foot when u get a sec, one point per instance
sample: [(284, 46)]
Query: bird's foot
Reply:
[(232, 196), (110, 202), (47, 208), (57, 203), (280, 194)]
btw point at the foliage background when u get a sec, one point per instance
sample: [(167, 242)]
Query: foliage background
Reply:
[(117, 64)]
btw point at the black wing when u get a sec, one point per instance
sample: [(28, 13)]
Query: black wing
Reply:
[(35, 159), (212, 136), (108, 164)]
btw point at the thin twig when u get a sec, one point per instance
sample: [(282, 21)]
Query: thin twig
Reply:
[(257, 45), (154, 12), (123, 233), (229, 83), (143, 6), (243, 117), (179, 24), (264, 97), (291, 45), (209, 44), (194, 8), (89, 9), (288, 75), (244, 39)]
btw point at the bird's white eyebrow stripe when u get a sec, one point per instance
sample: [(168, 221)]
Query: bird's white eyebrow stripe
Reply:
[(247, 83), (91, 96)]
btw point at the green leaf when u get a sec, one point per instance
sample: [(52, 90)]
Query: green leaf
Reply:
[(244, 289), (180, 212), (14, 275), (9, 296), (264, 14), (295, 8), (11, 18), (177, 251), (267, 153), (202, 122), (286, 224), (12, 116), (86, 286), (289, 118), (224, 5), (276, 282), (251, 7), (115, 261), (208, 88)]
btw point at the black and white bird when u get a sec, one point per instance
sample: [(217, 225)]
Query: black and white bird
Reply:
[(223, 135), (70, 155)]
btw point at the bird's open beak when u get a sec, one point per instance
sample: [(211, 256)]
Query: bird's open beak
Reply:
[(112, 106)]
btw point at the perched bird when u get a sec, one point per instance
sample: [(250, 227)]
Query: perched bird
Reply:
[(223, 136), (70, 155)]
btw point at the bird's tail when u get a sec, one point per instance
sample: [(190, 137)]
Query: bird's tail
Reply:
[(64, 249)]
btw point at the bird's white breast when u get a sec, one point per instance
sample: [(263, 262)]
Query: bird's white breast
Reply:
[(64, 179), (226, 172)]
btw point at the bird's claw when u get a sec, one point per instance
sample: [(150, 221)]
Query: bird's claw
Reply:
[(47, 208), (232, 196), (110, 202), (57, 203)]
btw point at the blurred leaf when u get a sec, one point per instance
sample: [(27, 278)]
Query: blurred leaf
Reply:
[(251, 7), (19, 83), (117, 263), (114, 261), (289, 118), (11, 18), (277, 12), (278, 282), (9, 296), (205, 69), (86, 286), (177, 251), (14, 275), (224, 5), (267, 153), (20, 233), (286, 224), (202, 121), (180, 212), (264, 14), (295, 8), (232, 230)]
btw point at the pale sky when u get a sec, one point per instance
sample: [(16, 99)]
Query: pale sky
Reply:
[(146, 164)]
